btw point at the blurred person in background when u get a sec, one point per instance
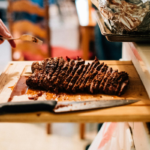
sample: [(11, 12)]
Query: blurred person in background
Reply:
[(106, 50), (6, 34)]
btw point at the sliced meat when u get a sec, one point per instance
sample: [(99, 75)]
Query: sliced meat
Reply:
[(108, 73), (75, 67), (70, 67), (35, 66), (117, 81), (60, 65), (57, 71), (77, 83), (92, 75), (97, 80), (44, 62), (75, 77), (123, 87), (57, 74), (43, 74), (88, 73), (61, 76), (39, 66), (33, 80), (51, 66), (108, 88), (41, 77)]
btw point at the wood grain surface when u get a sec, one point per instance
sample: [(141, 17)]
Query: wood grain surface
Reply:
[(139, 111)]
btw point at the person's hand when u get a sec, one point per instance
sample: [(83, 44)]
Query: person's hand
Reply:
[(6, 34)]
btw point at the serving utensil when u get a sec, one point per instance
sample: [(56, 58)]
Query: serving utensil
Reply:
[(24, 37), (59, 107)]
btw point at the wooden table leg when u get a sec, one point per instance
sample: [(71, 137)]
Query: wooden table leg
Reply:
[(82, 131), (48, 128)]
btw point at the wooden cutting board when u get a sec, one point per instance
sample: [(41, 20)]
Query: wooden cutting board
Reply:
[(139, 111)]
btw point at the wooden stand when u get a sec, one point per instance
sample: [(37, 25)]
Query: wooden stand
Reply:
[(82, 131), (48, 128), (139, 111)]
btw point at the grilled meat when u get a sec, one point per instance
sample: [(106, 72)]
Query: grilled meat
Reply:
[(56, 74)]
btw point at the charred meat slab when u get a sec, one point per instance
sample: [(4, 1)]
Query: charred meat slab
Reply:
[(57, 74)]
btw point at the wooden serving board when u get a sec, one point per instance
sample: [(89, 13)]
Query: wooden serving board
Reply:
[(139, 111)]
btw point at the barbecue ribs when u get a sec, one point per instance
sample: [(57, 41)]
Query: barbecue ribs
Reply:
[(56, 74)]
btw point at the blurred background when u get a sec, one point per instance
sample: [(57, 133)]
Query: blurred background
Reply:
[(67, 28)]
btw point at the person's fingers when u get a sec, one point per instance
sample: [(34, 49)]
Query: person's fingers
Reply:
[(8, 35), (1, 41), (4, 26), (3, 30), (12, 43)]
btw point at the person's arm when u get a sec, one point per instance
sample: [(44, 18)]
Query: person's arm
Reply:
[(6, 34)]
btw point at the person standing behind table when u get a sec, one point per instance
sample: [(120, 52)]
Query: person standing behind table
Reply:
[(6, 34), (106, 50)]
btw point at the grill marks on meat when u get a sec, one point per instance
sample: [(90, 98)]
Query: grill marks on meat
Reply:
[(85, 74), (88, 74), (56, 74), (68, 83), (60, 65), (51, 65), (75, 77), (43, 64), (98, 79), (121, 83), (39, 67), (50, 68), (61, 76), (108, 87), (108, 73), (91, 76), (95, 80), (79, 80), (63, 83), (115, 82), (75, 67)]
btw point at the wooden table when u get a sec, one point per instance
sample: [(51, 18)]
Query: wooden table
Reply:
[(139, 111)]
